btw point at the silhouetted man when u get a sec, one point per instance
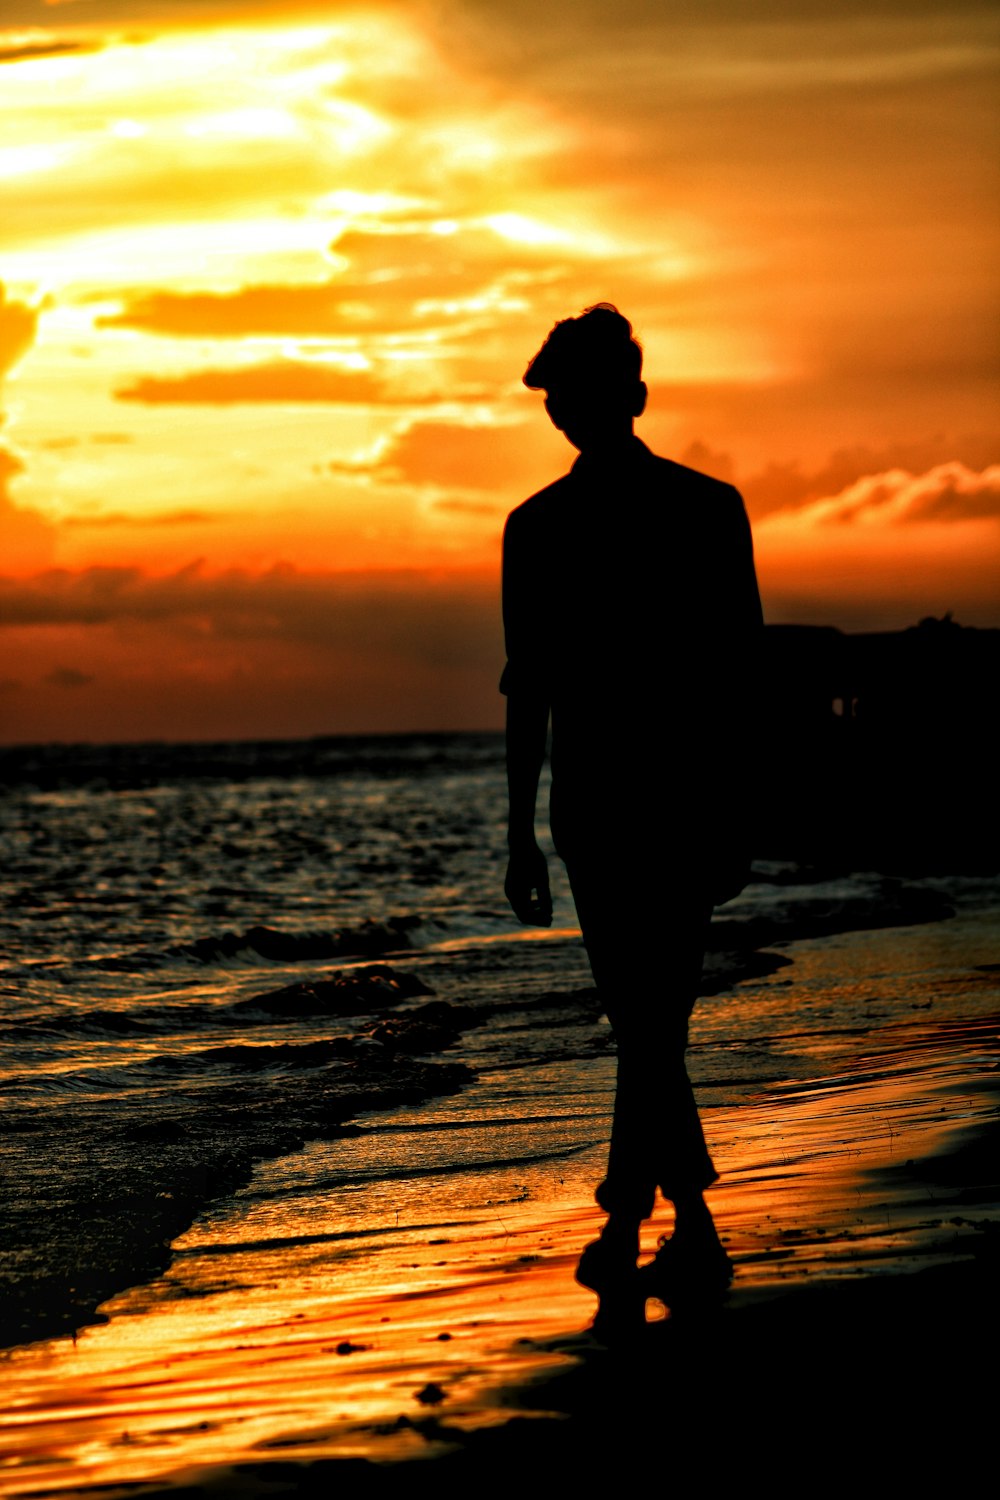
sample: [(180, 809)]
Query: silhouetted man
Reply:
[(632, 617)]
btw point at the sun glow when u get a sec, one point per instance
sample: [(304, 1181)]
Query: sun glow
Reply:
[(271, 285), (23, 161), (246, 124), (525, 231)]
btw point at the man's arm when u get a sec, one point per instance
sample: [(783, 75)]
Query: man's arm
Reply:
[(736, 691), (527, 883), (524, 682)]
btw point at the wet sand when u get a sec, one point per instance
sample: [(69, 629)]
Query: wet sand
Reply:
[(862, 1209)]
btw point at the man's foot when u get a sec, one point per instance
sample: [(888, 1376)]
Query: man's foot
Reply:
[(608, 1267), (686, 1272)]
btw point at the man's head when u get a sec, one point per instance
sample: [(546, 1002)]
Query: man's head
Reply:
[(590, 369)]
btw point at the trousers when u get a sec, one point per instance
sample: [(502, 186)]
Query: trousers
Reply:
[(647, 974)]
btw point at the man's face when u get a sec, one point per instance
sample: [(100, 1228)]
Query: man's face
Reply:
[(594, 416)]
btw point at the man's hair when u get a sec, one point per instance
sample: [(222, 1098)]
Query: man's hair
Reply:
[(595, 348)]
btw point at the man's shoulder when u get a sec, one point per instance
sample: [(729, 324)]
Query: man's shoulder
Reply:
[(679, 477), (543, 504)]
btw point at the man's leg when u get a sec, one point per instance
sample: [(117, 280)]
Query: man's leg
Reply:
[(656, 1138)]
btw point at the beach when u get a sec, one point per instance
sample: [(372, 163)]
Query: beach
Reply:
[(386, 1282), (445, 446)]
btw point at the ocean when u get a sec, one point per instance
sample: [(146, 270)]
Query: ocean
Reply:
[(215, 955)]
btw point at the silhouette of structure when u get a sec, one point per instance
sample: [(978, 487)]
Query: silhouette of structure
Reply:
[(632, 618), (878, 750)]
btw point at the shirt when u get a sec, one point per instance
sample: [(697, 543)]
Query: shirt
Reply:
[(630, 605)]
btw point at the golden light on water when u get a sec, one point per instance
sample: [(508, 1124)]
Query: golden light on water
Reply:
[(295, 1329)]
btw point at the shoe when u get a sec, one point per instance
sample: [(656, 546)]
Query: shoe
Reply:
[(683, 1276), (603, 1268), (621, 1300)]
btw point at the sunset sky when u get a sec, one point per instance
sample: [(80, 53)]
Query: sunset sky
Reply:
[(271, 273)]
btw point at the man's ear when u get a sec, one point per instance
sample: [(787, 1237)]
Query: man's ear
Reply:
[(639, 399)]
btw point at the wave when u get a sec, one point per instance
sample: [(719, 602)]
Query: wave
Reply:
[(430, 1028), (355, 992), (342, 994), (136, 1179), (889, 903), (370, 939)]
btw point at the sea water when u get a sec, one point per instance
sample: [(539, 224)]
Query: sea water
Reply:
[(214, 956)]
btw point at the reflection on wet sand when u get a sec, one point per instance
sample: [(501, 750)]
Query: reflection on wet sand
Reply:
[(415, 1338)]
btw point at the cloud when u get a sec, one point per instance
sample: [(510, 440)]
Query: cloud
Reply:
[(454, 455), (947, 493), (279, 381), (444, 620), (887, 550), (734, 193), (699, 455), (789, 486), (467, 507), (258, 310), (25, 51), (286, 652), (131, 519), (68, 677), (18, 323), (10, 465), (27, 541), (400, 276)]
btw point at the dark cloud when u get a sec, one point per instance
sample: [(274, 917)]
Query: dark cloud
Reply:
[(239, 654), (468, 507), (279, 381), (155, 518), (68, 677), (442, 621), (643, 19), (698, 455), (652, 54), (24, 51)]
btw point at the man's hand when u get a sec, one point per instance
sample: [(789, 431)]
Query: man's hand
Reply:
[(527, 885)]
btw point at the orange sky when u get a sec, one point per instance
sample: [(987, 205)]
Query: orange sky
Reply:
[(271, 274)]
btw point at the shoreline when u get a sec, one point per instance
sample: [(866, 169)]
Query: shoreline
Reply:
[(162, 1207), (861, 1207)]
